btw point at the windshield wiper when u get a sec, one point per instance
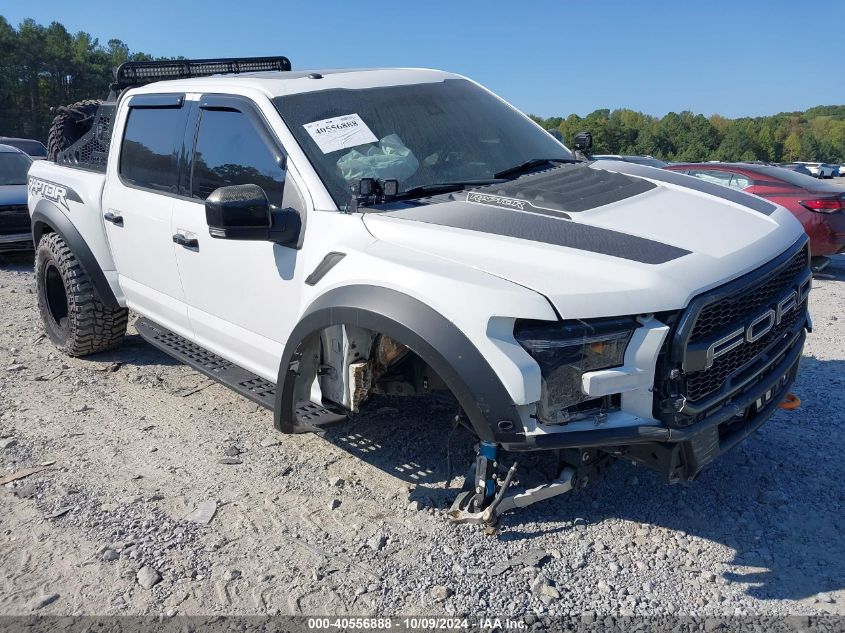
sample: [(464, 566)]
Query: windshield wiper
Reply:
[(441, 187), (530, 164)]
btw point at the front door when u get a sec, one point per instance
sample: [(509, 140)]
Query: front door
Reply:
[(242, 296), (138, 208)]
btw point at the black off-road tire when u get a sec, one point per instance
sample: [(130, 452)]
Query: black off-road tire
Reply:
[(74, 317), (69, 125)]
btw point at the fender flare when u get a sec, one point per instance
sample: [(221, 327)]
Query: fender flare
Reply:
[(429, 334), (48, 217)]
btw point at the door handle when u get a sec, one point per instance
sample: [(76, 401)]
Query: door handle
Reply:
[(187, 242), (117, 220)]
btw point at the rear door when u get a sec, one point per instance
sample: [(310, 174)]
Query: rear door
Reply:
[(138, 199)]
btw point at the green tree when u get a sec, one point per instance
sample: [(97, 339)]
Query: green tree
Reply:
[(792, 147), (42, 67), (817, 134)]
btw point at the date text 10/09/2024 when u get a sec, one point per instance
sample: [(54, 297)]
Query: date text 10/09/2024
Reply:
[(414, 624)]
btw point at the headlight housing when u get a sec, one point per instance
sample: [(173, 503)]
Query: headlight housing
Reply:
[(564, 351)]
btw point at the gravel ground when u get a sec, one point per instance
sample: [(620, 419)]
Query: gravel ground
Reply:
[(131, 443)]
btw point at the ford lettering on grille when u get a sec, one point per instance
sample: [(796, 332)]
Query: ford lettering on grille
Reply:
[(702, 356)]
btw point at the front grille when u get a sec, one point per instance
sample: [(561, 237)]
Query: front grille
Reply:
[(734, 309), (722, 311), (701, 384)]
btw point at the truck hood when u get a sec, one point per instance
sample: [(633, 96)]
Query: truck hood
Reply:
[(597, 241)]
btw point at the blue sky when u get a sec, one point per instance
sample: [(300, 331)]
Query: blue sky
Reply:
[(549, 58)]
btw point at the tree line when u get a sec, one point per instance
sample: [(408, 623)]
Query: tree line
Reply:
[(817, 134), (42, 67)]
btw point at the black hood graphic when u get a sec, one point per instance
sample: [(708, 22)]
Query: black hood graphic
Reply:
[(565, 189)]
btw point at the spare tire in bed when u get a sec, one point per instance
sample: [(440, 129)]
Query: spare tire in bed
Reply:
[(70, 124)]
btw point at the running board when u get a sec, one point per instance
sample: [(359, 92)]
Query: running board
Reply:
[(263, 392)]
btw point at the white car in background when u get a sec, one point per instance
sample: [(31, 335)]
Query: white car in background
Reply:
[(818, 170)]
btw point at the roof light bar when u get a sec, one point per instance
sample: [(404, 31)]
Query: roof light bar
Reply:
[(137, 73)]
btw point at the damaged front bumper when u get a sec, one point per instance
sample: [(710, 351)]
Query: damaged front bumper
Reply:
[(681, 453)]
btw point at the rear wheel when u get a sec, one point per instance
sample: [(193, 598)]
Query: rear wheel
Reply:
[(70, 124), (74, 317)]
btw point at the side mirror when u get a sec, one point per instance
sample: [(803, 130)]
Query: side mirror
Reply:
[(556, 133), (243, 212), (582, 141), (238, 212)]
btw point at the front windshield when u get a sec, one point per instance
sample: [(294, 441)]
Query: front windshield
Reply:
[(420, 134), (13, 168)]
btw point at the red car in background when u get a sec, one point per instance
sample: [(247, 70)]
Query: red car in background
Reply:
[(819, 206)]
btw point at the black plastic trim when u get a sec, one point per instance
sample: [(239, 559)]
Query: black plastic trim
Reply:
[(426, 332), (163, 100), (622, 436), (328, 262), (234, 376), (48, 217)]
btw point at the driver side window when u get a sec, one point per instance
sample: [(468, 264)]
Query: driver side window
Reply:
[(230, 151)]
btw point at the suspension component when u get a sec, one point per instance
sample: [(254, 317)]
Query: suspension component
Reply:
[(485, 471)]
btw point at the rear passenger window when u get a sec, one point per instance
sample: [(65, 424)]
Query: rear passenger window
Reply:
[(149, 156), (230, 151)]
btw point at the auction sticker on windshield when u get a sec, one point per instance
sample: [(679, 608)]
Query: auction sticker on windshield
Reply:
[(340, 132)]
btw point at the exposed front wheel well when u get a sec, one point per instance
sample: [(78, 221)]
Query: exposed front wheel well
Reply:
[(355, 363), (359, 340)]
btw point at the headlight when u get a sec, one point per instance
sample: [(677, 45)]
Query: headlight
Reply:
[(566, 350)]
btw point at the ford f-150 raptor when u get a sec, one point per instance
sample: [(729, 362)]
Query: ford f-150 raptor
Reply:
[(311, 238)]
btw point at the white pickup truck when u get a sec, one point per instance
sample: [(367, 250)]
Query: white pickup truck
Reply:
[(311, 238)]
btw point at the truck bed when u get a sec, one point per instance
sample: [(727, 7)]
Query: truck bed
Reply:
[(78, 194)]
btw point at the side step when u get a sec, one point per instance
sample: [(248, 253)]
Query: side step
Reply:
[(238, 379)]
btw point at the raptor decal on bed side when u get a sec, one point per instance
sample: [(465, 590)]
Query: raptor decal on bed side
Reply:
[(54, 192)]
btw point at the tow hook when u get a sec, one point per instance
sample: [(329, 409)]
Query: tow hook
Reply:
[(484, 499), (790, 402)]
